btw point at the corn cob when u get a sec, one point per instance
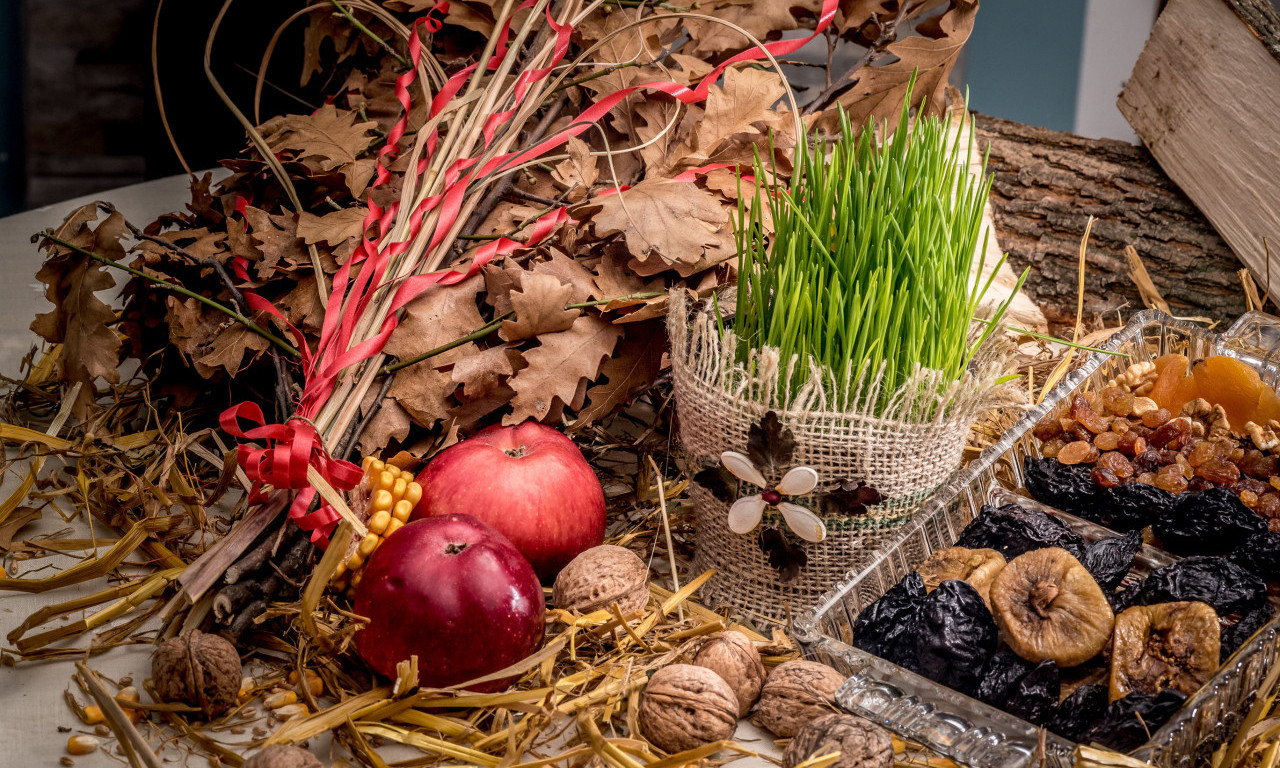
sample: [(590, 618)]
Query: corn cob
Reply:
[(391, 494)]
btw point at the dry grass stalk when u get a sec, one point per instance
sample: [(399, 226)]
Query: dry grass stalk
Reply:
[(1146, 289)]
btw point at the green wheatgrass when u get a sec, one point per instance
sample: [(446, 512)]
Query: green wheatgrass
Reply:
[(870, 259)]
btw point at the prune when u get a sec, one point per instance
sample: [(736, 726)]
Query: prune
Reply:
[(1035, 696), (1234, 636), (1078, 712), (1129, 722), (1260, 555), (956, 636), (1109, 560), (1068, 488), (1208, 522), (1130, 506), (1213, 580), (1157, 647), (887, 627), (1078, 452), (1003, 671), (1049, 607), (1013, 530)]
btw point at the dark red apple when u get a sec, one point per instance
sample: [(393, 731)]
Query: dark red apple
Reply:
[(530, 482), (455, 593)]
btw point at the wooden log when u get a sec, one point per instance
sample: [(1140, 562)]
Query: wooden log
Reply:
[(1202, 97), (1046, 184)]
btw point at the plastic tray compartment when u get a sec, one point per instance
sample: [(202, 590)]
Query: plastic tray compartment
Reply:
[(963, 728)]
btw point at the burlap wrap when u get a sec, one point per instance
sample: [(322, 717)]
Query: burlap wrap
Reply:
[(906, 453)]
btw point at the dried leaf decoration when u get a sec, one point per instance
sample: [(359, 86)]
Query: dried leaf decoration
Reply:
[(879, 90), (80, 321), (667, 223), (769, 444), (631, 369), (559, 369), (326, 138), (785, 558), (539, 307), (851, 499)]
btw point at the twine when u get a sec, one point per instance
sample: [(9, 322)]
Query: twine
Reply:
[(906, 453)]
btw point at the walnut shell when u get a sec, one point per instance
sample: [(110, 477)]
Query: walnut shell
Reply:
[(861, 743), (733, 656), (601, 576), (281, 756), (197, 669), (795, 693), (684, 707)]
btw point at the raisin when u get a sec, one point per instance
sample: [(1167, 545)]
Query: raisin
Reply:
[(1047, 428), (1146, 478), (1117, 463), (1169, 432), (1153, 419), (1249, 485), (1139, 429), (1078, 431), (1105, 477), (1107, 441), (1249, 498), (1202, 452), (1169, 457), (1198, 484), (1259, 465), (1079, 452), (1170, 479), (1116, 401), (1148, 461), (1121, 426), (1219, 471), (1268, 505), (1131, 444)]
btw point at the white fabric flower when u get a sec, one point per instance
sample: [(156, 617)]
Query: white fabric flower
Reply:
[(746, 512)]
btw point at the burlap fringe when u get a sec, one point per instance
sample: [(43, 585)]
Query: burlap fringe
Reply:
[(906, 453)]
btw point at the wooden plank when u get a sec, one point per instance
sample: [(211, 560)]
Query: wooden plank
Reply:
[(1205, 99), (1046, 184)]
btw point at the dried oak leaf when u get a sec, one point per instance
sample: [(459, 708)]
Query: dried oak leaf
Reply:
[(478, 375), (560, 367), (629, 371), (579, 172), (442, 314), (391, 422), (539, 305), (569, 271), (275, 236), (341, 230), (327, 137), (879, 91), (192, 330), (228, 348), (80, 321), (761, 18), (736, 107), (666, 224)]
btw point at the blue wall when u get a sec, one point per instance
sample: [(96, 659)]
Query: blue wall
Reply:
[(1022, 61)]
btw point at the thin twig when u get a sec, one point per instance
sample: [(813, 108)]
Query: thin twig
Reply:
[(888, 33), (139, 752), (233, 314), (369, 33)]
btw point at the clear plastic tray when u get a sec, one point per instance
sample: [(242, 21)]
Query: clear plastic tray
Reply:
[(965, 729)]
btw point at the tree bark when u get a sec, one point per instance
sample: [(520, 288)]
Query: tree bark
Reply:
[(1045, 186)]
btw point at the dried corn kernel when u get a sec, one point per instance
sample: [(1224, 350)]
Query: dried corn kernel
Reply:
[(82, 745), (93, 715), (281, 699), (291, 710), (392, 496)]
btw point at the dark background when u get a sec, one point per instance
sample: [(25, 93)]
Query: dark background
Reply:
[(78, 109)]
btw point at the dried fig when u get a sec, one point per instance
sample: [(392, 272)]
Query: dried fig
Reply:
[(1168, 645), (976, 566), (861, 743), (1048, 606)]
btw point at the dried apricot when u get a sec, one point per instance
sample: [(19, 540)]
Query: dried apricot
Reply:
[(1268, 406), (1186, 391), (1170, 369), (1230, 383), (1079, 452)]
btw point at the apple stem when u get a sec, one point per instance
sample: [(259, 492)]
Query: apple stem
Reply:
[(516, 453)]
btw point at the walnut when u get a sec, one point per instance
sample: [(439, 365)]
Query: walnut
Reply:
[(795, 693), (733, 656), (1135, 377), (1218, 424), (601, 576), (1143, 405), (684, 707), (281, 756), (861, 743), (1198, 409), (1263, 437), (197, 669)]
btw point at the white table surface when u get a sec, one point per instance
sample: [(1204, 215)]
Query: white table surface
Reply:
[(31, 693)]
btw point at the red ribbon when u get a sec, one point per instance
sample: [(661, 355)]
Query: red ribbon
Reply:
[(294, 446)]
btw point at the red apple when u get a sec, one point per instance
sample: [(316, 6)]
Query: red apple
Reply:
[(530, 482), (455, 593)]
